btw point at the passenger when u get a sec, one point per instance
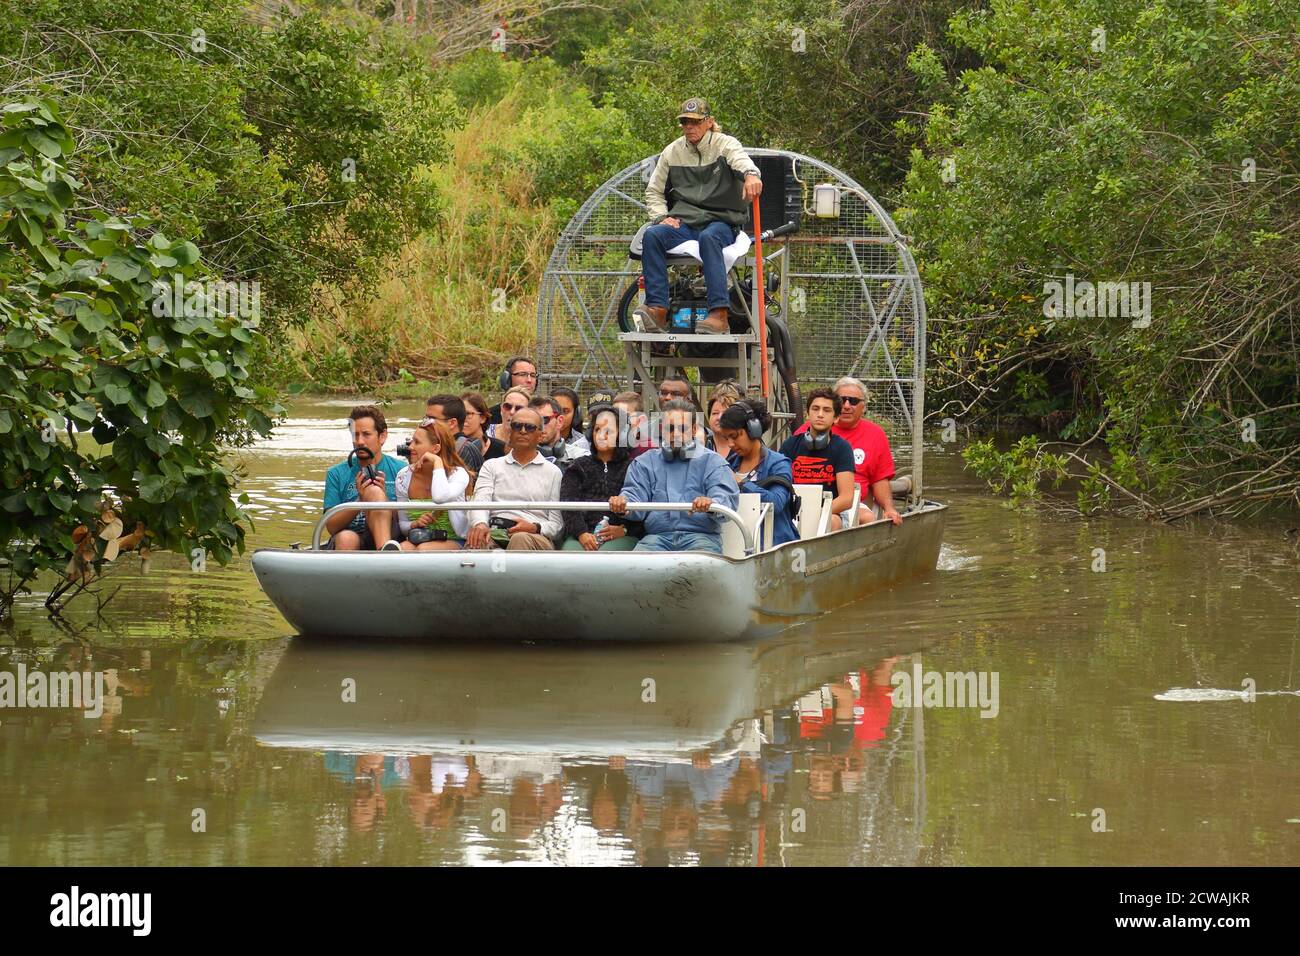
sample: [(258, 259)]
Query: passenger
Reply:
[(820, 457), (681, 471), (675, 385), (477, 418), (702, 170), (450, 410), (723, 396), (520, 372), (512, 401), (436, 473), (553, 448), (873, 462), (598, 477), (758, 469), (571, 420), (522, 475), (348, 481), (634, 424)]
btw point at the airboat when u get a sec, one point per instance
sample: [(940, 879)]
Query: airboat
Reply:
[(831, 290)]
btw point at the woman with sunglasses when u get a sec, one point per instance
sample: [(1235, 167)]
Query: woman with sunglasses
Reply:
[(512, 401), (436, 473), (477, 419), (598, 477)]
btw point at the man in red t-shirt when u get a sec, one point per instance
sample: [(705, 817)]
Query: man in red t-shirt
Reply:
[(873, 461)]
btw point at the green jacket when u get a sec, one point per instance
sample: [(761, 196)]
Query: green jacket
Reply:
[(704, 183)]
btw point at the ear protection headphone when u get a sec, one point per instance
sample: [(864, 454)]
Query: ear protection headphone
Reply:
[(506, 378), (753, 427), (673, 454), (815, 442)]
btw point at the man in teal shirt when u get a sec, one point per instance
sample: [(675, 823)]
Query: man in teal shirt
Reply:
[(348, 481)]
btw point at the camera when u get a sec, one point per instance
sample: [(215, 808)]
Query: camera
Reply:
[(370, 471), (421, 535), (403, 450), (502, 522)]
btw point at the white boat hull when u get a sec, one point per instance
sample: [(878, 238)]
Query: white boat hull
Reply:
[(576, 596)]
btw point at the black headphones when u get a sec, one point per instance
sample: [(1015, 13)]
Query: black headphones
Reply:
[(814, 442), (753, 427), (506, 378), (673, 454)]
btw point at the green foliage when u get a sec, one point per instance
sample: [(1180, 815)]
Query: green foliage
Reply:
[(527, 149), (1019, 471), (828, 79), (1161, 152), (104, 392), (289, 151)]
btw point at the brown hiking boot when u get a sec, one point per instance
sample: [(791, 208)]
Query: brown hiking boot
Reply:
[(650, 318), (715, 323)]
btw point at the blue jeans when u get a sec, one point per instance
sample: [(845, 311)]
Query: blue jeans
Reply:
[(681, 541), (655, 244)]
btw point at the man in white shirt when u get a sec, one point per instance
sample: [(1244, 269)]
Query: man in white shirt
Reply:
[(522, 475)]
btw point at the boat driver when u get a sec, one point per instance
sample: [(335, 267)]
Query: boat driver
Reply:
[(710, 181), (682, 470)]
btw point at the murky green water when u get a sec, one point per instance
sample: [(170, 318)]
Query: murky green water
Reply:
[(226, 741)]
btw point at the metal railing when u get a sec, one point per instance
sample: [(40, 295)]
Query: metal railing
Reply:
[(494, 506)]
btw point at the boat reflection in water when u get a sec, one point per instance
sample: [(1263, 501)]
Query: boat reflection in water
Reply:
[(740, 754)]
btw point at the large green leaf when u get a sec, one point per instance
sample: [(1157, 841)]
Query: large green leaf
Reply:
[(198, 404), (117, 394)]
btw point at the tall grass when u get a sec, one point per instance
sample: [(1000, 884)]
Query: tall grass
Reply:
[(460, 299)]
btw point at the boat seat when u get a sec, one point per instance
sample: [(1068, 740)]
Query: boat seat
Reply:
[(851, 516), (814, 504), (749, 509), (900, 486)]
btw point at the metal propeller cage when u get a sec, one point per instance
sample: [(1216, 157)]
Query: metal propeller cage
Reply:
[(850, 294)]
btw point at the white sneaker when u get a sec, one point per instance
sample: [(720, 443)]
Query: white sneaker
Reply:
[(391, 545)]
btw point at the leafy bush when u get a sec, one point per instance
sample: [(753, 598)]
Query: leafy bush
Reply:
[(286, 149), (1092, 144), (109, 389)]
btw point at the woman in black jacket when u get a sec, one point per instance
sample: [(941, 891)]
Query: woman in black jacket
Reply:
[(598, 477)]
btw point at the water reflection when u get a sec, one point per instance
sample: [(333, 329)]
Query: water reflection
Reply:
[(652, 756)]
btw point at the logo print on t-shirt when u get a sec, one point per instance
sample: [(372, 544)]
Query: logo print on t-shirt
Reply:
[(859, 456)]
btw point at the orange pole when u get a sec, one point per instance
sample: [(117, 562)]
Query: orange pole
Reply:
[(762, 300)]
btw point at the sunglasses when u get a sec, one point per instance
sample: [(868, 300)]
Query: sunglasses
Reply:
[(513, 408), (524, 374), (547, 419), (850, 400), (524, 427)]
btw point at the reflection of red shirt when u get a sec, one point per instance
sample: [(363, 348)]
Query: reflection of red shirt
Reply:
[(872, 458), (812, 726), (871, 712)]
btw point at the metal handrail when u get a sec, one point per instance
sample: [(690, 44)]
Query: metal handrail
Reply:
[(746, 536)]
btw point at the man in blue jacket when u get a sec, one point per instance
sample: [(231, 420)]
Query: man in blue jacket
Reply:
[(681, 470)]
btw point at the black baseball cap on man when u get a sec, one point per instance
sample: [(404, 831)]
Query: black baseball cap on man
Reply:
[(694, 108)]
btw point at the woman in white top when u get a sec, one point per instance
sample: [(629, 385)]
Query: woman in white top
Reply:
[(436, 473)]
